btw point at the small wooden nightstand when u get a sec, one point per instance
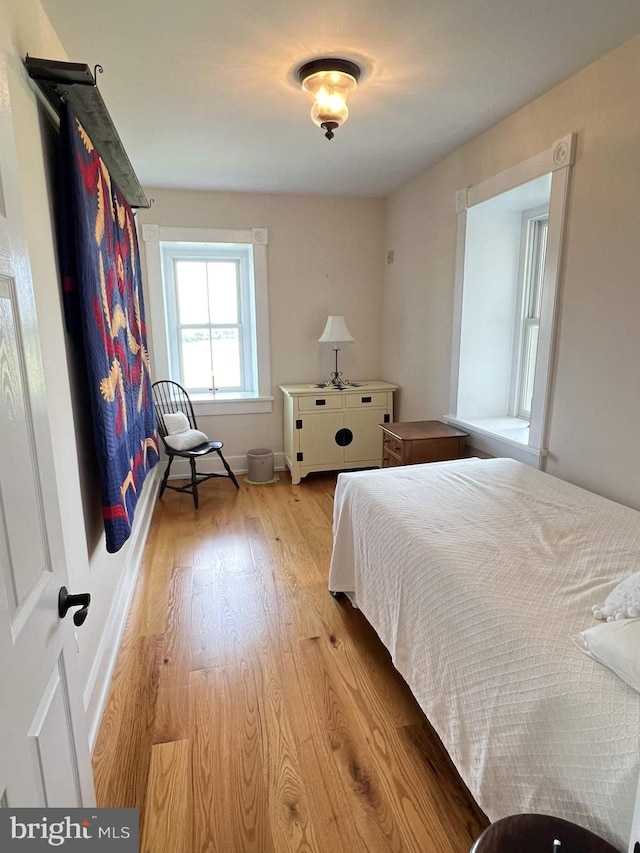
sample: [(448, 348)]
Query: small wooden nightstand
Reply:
[(420, 441)]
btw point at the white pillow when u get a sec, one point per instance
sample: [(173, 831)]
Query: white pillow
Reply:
[(616, 645), (186, 440), (176, 422), (623, 602)]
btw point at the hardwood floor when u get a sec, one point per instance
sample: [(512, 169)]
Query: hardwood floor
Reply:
[(250, 712)]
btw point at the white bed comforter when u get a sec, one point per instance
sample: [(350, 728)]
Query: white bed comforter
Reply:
[(475, 575)]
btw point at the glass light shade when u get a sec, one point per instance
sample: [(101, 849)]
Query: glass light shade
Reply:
[(335, 331), (329, 90), (321, 114)]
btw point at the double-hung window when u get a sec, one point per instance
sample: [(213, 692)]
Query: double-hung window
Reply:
[(208, 304), (209, 294), (535, 230)]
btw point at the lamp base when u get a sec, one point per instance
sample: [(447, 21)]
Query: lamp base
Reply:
[(336, 381)]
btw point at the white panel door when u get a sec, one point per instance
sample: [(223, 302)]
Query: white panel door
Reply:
[(44, 753)]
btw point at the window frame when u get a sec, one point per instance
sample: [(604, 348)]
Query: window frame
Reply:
[(531, 273), (556, 161), (163, 313), (173, 253)]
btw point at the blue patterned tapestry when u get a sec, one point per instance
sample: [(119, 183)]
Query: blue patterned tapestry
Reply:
[(104, 308)]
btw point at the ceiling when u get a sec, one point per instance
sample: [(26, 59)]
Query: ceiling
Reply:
[(204, 96)]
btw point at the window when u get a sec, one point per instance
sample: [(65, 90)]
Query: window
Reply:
[(535, 230), (500, 268), (208, 295), (507, 269)]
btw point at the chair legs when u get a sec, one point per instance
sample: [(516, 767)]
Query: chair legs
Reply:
[(166, 477), (194, 482), (228, 470), (192, 486)]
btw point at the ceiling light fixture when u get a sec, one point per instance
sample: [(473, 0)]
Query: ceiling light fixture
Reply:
[(329, 82)]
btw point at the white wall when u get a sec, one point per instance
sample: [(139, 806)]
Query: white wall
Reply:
[(325, 256), (108, 577), (595, 407), (488, 311)]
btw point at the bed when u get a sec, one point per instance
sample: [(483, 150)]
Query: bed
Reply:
[(477, 576)]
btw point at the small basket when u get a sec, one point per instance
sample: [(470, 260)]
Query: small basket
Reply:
[(260, 466)]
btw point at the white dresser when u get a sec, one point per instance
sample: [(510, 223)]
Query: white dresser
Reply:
[(328, 429)]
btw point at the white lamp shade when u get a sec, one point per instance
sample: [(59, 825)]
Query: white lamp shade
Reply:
[(335, 331)]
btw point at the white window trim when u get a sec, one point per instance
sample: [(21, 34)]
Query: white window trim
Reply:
[(556, 160), (210, 404)]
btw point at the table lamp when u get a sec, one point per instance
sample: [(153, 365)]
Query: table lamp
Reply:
[(335, 332)]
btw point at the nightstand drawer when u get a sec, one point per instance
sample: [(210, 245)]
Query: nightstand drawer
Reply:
[(320, 403), (357, 401), (392, 444), (390, 460)]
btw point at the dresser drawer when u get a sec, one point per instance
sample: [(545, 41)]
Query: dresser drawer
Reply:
[(321, 403), (391, 444), (357, 401), (390, 460)]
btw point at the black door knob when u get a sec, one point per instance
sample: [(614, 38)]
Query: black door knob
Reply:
[(66, 601)]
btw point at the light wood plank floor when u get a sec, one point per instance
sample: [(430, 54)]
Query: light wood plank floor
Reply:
[(250, 712)]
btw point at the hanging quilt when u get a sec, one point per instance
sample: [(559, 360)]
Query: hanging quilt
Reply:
[(104, 309)]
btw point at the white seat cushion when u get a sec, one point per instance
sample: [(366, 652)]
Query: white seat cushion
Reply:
[(186, 440)]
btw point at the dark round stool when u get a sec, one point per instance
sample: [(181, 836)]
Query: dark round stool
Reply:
[(535, 833)]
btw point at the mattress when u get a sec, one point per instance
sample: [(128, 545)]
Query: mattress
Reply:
[(476, 574)]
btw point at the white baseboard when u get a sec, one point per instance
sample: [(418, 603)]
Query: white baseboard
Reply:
[(97, 688), (211, 464)]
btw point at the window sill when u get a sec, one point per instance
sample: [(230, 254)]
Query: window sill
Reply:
[(231, 404), (500, 437)]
